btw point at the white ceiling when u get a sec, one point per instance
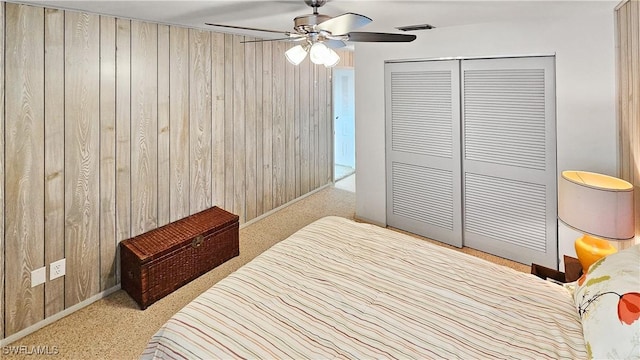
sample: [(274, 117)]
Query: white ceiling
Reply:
[(279, 14)]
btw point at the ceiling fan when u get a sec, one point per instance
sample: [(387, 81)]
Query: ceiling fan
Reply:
[(318, 34)]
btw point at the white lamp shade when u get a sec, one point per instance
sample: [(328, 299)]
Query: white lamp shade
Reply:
[(332, 59), (318, 53), (596, 204), (296, 54)]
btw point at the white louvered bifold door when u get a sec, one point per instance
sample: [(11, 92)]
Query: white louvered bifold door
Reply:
[(423, 149), (509, 158)]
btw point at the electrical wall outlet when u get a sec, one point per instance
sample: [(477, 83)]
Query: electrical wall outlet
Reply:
[(57, 269), (38, 276)]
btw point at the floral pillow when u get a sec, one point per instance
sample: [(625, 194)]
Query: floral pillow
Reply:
[(607, 298)]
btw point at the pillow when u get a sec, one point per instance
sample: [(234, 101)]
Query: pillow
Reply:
[(607, 298)]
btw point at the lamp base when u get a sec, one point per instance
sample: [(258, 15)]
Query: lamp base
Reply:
[(590, 249)]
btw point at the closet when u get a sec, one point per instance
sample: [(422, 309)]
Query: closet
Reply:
[(471, 154)]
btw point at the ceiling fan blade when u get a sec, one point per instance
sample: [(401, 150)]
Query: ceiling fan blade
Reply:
[(344, 23), (291, 39), (248, 28), (379, 37), (335, 44)]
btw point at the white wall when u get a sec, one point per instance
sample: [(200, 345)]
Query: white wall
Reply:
[(583, 42)]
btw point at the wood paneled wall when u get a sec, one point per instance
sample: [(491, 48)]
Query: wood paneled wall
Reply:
[(628, 48), (114, 127)]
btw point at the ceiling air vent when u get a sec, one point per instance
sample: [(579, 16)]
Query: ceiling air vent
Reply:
[(416, 27)]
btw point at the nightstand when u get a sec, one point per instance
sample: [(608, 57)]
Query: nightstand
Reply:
[(572, 271)]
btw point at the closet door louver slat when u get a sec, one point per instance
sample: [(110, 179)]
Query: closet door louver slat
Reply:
[(420, 104), (509, 211), (423, 194), (519, 95)]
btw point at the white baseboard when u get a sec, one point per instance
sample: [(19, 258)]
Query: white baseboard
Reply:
[(270, 212), (53, 318)]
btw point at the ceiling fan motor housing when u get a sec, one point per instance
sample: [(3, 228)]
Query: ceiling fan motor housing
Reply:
[(305, 24)]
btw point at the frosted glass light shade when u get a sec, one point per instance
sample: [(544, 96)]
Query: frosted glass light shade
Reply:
[(332, 59), (318, 53), (296, 54), (596, 204)]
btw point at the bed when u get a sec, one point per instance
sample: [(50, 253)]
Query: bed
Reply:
[(341, 289)]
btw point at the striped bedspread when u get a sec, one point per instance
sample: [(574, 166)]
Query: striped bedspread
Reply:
[(339, 289)]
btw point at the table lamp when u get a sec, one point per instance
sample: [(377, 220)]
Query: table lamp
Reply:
[(599, 206)]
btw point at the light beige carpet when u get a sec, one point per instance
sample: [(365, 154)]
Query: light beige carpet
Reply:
[(115, 328)]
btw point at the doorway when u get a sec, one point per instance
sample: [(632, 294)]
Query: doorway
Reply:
[(344, 155)]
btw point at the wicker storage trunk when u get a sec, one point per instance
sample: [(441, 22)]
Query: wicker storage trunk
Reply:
[(158, 262)]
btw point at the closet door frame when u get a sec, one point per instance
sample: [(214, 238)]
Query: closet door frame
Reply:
[(547, 258)]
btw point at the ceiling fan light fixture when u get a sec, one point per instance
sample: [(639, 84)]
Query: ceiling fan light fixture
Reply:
[(332, 59), (296, 54), (318, 53)]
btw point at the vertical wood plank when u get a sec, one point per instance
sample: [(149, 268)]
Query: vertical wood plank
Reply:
[(296, 130), (343, 58), (239, 149), (123, 134), (144, 127), (305, 106), (259, 137), (2, 167), (218, 104), (623, 90), (627, 90), (290, 140), (279, 113), (323, 119), (330, 117), (54, 154), (82, 156), (634, 128), (346, 58), (267, 126), (250, 129), (229, 183), (179, 179), (24, 179), (108, 240), (628, 73), (164, 136), (313, 141), (200, 119)]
